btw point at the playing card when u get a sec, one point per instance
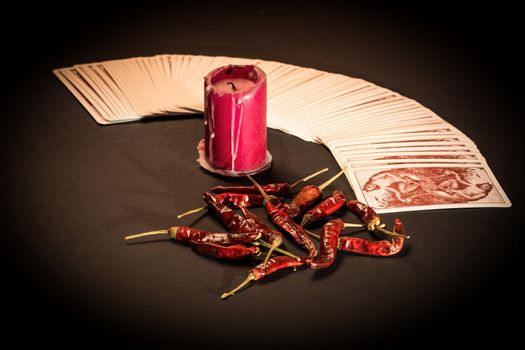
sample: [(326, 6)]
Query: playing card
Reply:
[(424, 186)]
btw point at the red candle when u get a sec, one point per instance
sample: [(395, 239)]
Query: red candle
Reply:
[(235, 121)]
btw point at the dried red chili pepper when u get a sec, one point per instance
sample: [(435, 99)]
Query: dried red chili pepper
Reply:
[(217, 244), (236, 223), (370, 218), (308, 196), (277, 189), (279, 215), (365, 246), (329, 241), (233, 200), (248, 196), (327, 207), (367, 215), (377, 248), (188, 234), (224, 252), (192, 235), (230, 219), (239, 200), (258, 272), (269, 235), (287, 224)]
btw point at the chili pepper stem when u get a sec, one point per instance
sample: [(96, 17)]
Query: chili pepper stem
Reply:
[(314, 235), (191, 211), (265, 195), (278, 250), (259, 187), (332, 179), (380, 229), (306, 178), (251, 277), (150, 233), (275, 244), (346, 225)]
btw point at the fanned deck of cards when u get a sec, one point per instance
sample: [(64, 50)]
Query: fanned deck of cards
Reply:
[(399, 155)]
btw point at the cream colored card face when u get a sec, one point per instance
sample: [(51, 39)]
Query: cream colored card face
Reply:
[(178, 92), (386, 141), (97, 80), (99, 90), (160, 79), (80, 97), (348, 116), (412, 146), (408, 162), (154, 72), (142, 84), (320, 91), (75, 78), (360, 160), (118, 71), (329, 91), (103, 74)]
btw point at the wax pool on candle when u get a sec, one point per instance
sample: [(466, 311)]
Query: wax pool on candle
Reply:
[(233, 85), (235, 120)]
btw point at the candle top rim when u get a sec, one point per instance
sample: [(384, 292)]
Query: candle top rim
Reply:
[(234, 71)]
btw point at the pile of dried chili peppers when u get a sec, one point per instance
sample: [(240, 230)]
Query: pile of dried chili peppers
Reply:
[(247, 233)]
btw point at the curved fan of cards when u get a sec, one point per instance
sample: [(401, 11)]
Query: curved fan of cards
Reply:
[(399, 155)]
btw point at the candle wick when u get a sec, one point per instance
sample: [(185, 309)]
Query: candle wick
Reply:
[(233, 86)]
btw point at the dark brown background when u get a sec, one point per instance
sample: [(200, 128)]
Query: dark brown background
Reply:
[(73, 188)]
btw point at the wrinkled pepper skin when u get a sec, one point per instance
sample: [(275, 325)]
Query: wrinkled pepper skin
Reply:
[(274, 264), (378, 248), (239, 200), (329, 241), (278, 189), (287, 224), (267, 234), (304, 200), (233, 222), (224, 252), (278, 214), (327, 207), (189, 235), (367, 215)]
